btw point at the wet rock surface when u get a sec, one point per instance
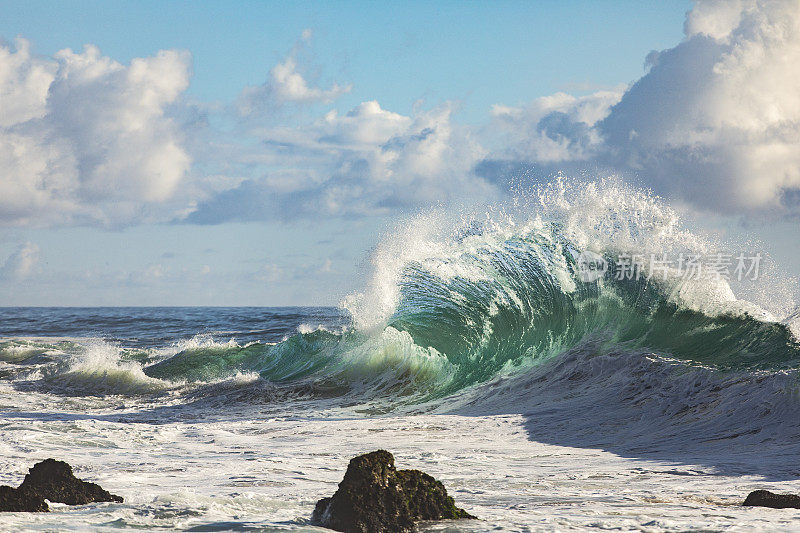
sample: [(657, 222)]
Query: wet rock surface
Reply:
[(765, 498), (12, 499), (375, 497), (54, 481)]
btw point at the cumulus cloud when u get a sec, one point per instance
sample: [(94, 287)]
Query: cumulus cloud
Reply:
[(22, 263), (85, 139), (287, 85), (714, 121), (560, 127), (24, 82), (365, 125), (717, 118)]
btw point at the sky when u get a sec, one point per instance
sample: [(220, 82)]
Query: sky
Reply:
[(211, 153)]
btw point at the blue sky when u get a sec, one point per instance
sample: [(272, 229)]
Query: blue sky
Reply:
[(478, 53), (253, 153)]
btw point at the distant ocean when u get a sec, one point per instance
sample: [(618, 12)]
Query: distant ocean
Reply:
[(477, 351)]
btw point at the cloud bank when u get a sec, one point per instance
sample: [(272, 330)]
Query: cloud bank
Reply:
[(713, 122), (369, 161)]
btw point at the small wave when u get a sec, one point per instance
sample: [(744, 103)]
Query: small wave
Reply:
[(202, 359), (308, 328), (101, 368), (19, 350)]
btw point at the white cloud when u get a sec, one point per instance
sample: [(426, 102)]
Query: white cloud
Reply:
[(368, 161), (715, 121), (717, 118), (287, 85), (552, 128), (86, 139), (716, 18), (22, 263), (365, 125), (24, 82)]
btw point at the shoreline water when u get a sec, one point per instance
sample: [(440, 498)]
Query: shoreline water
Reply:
[(267, 474)]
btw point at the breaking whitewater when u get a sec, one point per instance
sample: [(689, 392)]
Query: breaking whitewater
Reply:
[(479, 351)]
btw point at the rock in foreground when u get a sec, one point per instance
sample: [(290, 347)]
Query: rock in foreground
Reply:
[(55, 482), (14, 500), (52, 480), (375, 497), (765, 498)]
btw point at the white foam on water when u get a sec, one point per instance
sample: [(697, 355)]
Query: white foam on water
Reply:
[(98, 368), (268, 473)]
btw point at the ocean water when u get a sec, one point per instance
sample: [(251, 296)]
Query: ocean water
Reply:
[(476, 350)]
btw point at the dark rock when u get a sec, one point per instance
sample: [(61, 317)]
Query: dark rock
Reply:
[(53, 480), (374, 497), (427, 498), (369, 498), (16, 500), (765, 498)]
